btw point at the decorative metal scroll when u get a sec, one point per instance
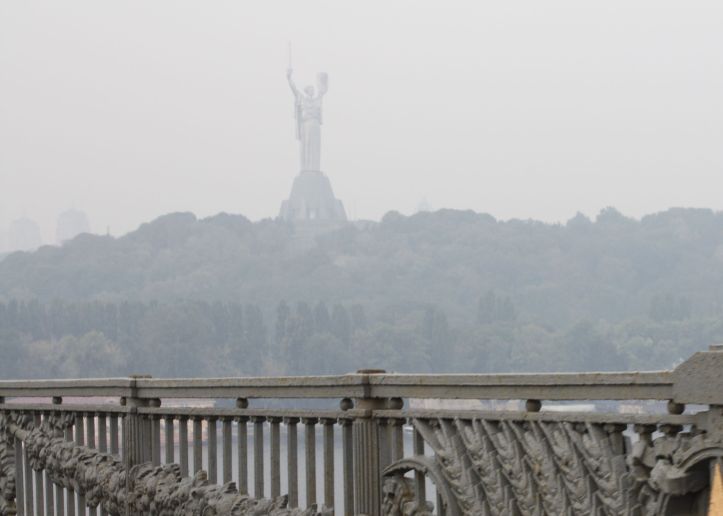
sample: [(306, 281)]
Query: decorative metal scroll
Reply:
[(536, 468), (7, 474), (104, 481)]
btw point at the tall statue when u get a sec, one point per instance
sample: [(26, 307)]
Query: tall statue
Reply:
[(307, 106)]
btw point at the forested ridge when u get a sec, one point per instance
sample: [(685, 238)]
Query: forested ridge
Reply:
[(443, 291)]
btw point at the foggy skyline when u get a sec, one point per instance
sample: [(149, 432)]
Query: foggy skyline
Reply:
[(130, 111)]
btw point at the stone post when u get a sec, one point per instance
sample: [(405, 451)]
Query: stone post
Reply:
[(136, 432), (367, 439)]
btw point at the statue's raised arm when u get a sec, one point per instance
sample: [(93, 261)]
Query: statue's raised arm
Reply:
[(322, 83), (292, 85)]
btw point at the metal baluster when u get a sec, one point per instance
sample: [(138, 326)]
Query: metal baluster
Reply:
[(397, 427), (102, 441), (29, 506), (212, 450), (258, 456), (114, 448), (156, 440), (39, 498), (310, 449), (80, 441), (275, 444), (49, 498), (183, 444), (243, 456), (59, 499), (147, 437), (170, 444), (197, 450), (90, 442), (49, 486), (385, 452), (226, 431), (292, 459), (19, 478), (124, 438), (419, 477), (69, 494), (348, 457), (329, 462)]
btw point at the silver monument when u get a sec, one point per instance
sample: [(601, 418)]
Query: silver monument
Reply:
[(311, 199), (307, 109)]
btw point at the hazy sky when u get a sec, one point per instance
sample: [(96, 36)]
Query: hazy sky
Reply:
[(128, 110)]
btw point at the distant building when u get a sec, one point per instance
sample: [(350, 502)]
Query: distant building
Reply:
[(23, 235), (71, 224)]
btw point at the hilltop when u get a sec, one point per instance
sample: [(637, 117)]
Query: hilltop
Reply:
[(443, 291), (611, 268)]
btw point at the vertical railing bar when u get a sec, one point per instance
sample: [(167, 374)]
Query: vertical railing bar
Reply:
[(59, 499), (397, 439), (69, 493), (310, 456), (29, 505), (419, 481), (50, 486), (102, 432), (258, 456), (148, 437), (348, 458), (102, 442), (183, 445), (114, 434), (19, 478), (90, 442), (49, 498), (156, 440), (275, 444), (123, 439), (385, 455), (169, 437), (80, 441), (227, 452), (242, 455), (292, 459), (38, 479), (329, 463), (212, 450), (197, 450)]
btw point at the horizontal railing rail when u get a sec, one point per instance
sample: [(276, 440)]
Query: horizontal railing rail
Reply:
[(563, 386)]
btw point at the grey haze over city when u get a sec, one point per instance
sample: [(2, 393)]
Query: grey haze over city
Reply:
[(131, 110)]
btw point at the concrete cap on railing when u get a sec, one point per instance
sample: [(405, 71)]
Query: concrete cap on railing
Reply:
[(699, 380)]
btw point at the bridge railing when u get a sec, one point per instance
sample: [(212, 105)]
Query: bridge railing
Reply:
[(386, 449)]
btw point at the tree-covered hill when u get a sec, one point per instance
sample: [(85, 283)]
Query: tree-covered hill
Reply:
[(443, 291), (611, 268)]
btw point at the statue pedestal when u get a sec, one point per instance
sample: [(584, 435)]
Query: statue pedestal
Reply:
[(312, 199)]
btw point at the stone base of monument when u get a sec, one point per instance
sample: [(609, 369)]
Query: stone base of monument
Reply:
[(312, 200)]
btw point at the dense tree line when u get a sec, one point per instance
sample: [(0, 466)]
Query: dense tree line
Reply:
[(443, 291), (196, 338)]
